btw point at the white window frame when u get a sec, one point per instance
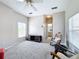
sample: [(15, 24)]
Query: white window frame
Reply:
[(74, 28), (21, 29)]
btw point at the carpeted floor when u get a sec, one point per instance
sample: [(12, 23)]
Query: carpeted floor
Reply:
[(10, 54)]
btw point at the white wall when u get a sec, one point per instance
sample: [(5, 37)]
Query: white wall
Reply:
[(72, 8), (35, 24), (59, 23), (8, 26)]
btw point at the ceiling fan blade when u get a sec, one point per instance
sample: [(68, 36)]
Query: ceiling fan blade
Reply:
[(34, 7), (28, 1)]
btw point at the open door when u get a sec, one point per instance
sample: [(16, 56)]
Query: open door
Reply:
[(48, 31)]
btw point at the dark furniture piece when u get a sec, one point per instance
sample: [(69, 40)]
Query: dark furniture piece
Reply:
[(36, 38)]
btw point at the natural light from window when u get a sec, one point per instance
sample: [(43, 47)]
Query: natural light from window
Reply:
[(21, 29), (74, 30)]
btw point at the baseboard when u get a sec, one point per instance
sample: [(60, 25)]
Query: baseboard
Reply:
[(20, 40)]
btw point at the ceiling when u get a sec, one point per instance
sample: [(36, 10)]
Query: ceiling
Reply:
[(43, 7)]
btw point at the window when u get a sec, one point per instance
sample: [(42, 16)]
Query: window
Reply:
[(74, 30), (21, 29)]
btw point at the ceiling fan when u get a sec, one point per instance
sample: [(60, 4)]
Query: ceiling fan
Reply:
[(29, 3)]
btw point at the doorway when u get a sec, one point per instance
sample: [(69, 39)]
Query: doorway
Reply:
[(48, 31)]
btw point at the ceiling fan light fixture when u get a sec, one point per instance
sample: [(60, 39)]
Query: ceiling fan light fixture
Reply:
[(21, 0), (29, 3)]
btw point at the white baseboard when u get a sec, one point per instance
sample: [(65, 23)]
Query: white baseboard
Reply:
[(6, 49)]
